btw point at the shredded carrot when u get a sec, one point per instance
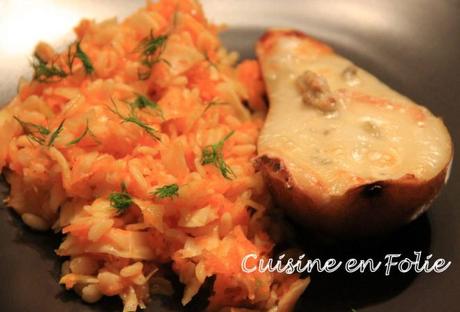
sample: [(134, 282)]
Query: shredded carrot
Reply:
[(89, 142)]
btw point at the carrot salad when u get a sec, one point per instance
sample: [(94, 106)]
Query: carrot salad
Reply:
[(135, 142)]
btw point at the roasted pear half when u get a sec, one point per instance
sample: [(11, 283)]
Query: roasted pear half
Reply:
[(342, 152)]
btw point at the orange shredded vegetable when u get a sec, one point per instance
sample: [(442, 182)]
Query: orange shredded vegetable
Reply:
[(142, 119)]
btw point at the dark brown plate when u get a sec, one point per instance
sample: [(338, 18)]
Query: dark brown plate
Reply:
[(414, 46)]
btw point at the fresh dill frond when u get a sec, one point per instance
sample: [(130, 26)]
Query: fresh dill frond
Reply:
[(120, 200), (39, 133), (70, 59), (50, 72), (77, 140), (75, 51), (132, 118), (33, 131), (44, 72), (152, 44), (170, 190), (142, 101), (80, 54), (56, 133), (31, 127), (212, 154), (151, 49), (211, 104), (83, 134)]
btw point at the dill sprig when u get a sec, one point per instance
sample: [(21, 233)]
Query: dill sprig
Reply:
[(83, 134), (120, 200), (151, 49), (151, 44), (211, 104), (169, 190), (50, 72), (142, 101), (44, 72), (33, 131), (80, 54), (56, 133), (132, 118), (70, 59), (212, 154), (38, 133)]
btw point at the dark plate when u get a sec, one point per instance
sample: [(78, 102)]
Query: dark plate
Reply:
[(414, 46)]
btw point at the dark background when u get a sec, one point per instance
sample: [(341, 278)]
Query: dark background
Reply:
[(414, 46)]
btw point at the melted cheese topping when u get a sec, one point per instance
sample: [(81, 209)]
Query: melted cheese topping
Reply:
[(374, 133)]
